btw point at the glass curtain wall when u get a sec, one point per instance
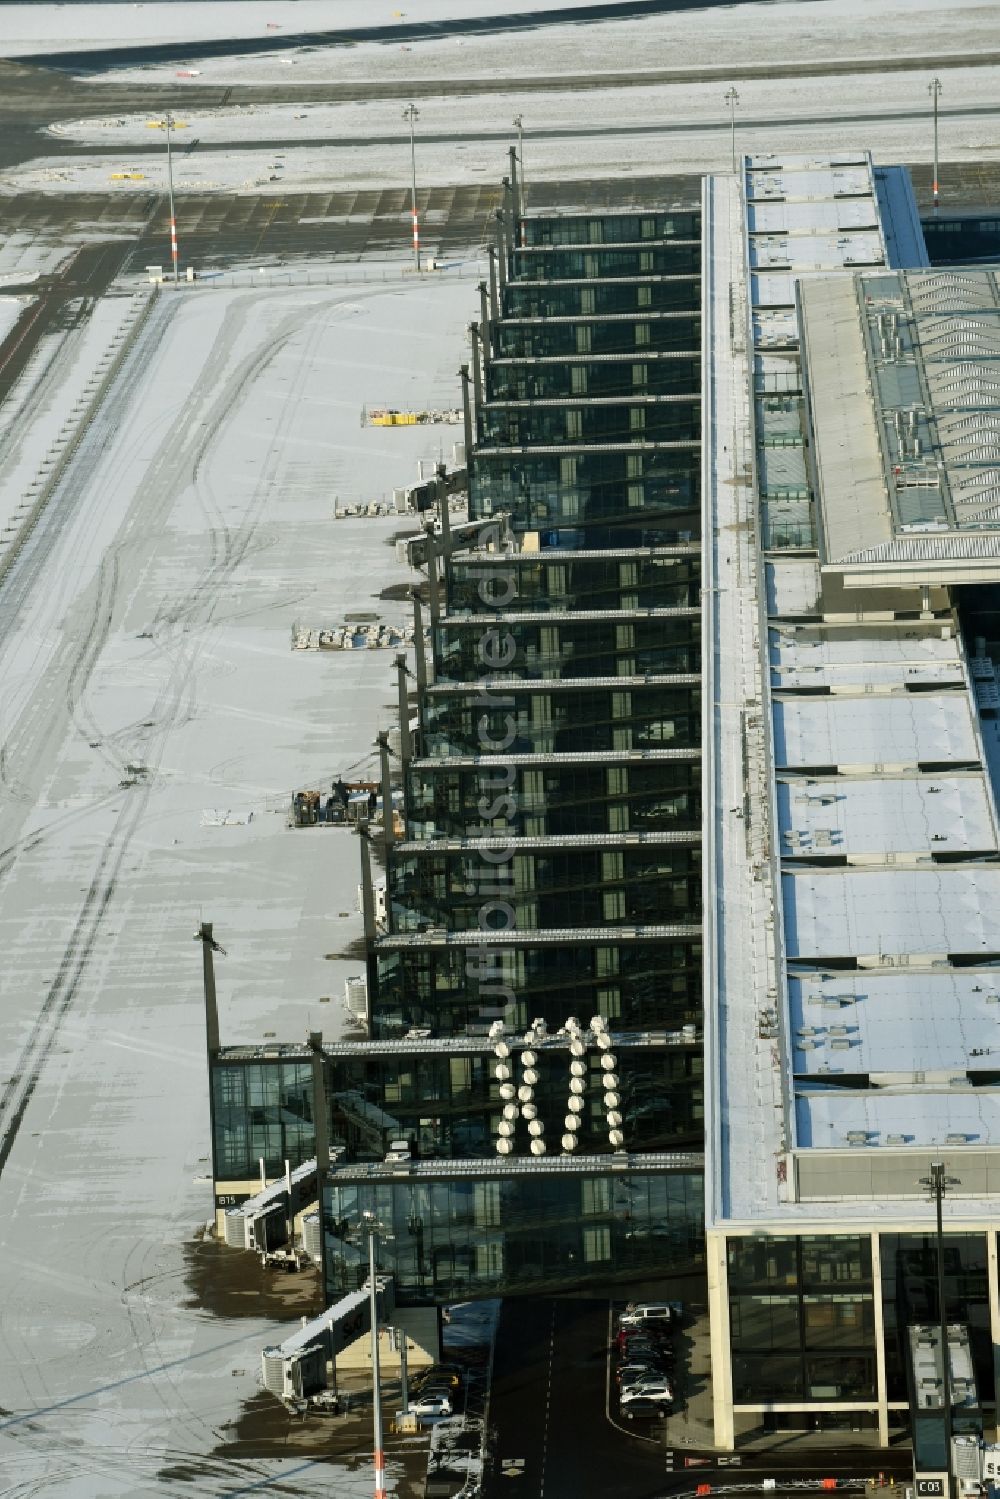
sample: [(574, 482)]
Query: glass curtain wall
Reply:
[(636, 984), (802, 1319), (589, 581), (554, 263), (261, 1111), (554, 798), (587, 298), (448, 1106), (619, 647), (550, 886), (448, 1239), (633, 716), (643, 333), (616, 228)]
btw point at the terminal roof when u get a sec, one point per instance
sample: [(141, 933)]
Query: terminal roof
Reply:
[(903, 370), (852, 882)]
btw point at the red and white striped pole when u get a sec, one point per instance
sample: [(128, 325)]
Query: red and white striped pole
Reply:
[(934, 89), (170, 193), (411, 113), (372, 1228)]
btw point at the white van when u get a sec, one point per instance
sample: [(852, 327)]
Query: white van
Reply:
[(663, 1312)]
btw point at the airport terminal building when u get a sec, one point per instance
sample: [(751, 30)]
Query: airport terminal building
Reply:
[(692, 947), (852, 935)]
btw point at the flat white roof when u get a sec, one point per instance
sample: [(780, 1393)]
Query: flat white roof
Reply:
[(901, 730), (918, 815), (806, 656), (856, 913), (896, 1023), (864, 1033), (784, 218), (804, 184), (821, 249), (793, 586), (934, 1116)]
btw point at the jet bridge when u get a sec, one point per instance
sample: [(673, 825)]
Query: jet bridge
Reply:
[(264, 1222), (298, 1368)]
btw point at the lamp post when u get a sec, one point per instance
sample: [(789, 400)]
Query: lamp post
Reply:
[(519, 123), (372, 1227), (937, 1185), (169, 123), (732, 99), (412, 113), (934, 89)]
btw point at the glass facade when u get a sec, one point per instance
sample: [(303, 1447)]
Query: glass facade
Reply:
[(556, 648), (609, 229), (545, 299), (636, 983), (447, 1103), (909, 1293), (449, 1239), (261, 1110), (802, 1319), (649, 419), (634, 716), (639, 334), (554, 798), (544, 887), (593, 717), (566, 263), (554, 379), (582, 581), (586, 488)]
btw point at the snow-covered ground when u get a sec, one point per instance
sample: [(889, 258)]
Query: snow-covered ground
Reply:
[(580, 154), (668, 105), (40, 416), (73, 27), (24, 257), (65, 28), (753, 33), (156, 635), (688, 118), (11, 309)]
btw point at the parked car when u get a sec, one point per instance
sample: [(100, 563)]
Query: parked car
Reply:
[(637, 1353), (628, 1374), (662, 1312), (640, 1372), (444, 1374), (652, 1388), (661, 1332), (647, 1334), (642, 1409), (429, 1406), (645, 1348), (439, 1392)]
